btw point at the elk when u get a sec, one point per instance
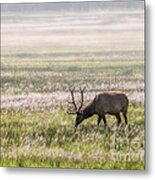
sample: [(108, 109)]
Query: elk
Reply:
[(112, 103)]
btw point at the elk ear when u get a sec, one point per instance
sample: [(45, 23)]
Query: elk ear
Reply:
[(79, 113)]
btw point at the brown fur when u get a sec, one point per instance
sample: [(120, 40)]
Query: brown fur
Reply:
[(112, 103)]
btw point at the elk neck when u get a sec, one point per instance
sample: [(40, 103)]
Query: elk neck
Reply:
[(88, 111)]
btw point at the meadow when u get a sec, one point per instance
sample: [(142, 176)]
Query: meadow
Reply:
[(48, 139), (44, 54)]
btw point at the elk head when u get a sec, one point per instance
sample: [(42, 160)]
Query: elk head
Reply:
[(76, 110)]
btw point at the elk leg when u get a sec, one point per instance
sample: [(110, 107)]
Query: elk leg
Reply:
[(118, 119), (125, 117), (98, 121), (104, 120)]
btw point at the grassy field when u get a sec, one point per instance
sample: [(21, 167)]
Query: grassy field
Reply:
[(45, 53), (46, 139), (47, 76)]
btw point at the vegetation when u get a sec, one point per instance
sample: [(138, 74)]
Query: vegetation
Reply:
[(23, 77), (49, 140), (43, 54)]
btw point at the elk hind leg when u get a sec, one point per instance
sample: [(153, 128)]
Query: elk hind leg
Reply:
[(125, 116), (118, 119)]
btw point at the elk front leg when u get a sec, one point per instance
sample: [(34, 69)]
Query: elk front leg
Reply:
[(98, 121), (104, 120)]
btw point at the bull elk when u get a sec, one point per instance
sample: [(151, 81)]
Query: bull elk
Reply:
[(112, 103)]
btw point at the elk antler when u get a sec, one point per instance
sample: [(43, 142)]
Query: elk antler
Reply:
[(82, 97), (73, 101)]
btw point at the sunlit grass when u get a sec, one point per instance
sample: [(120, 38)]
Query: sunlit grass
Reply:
[(47, 76), (50, 140), (41, 56)]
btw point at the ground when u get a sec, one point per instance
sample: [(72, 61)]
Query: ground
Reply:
[(45, 53)]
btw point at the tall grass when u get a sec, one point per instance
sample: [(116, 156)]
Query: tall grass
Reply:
[(23, 77), (50, 140), (43, 54)]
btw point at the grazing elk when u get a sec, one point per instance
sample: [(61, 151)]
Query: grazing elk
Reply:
[(112, 103)]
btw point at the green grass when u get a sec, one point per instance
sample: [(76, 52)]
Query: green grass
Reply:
[(53, 53), (49, 76), (50, 140)]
